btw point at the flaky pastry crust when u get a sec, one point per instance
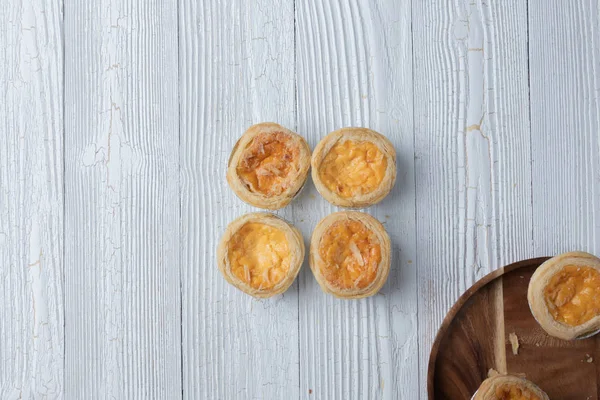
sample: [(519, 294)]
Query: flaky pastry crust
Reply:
[(293, 181), (488, 388), (537, 302), (356, 135), (383, 267), (295, 244)]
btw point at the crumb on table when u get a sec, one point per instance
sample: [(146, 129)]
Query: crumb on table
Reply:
[(514, 342)]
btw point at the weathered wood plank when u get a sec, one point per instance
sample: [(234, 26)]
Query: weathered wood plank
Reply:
[(472, 149), (31, 200), (237, 68), (122, 281), (354, 69), (564, 53)]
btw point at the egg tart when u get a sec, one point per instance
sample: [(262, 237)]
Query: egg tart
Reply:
[(260, 254), (350, 254), (507, 387), (268, 166), (354, 167), (564, 295)]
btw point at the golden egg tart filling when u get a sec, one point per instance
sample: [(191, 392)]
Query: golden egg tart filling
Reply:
[(573, 295), (507, 387), (268, 165), (354, 167), (514, 392), (564, 295), (260, 254), (350, 254)]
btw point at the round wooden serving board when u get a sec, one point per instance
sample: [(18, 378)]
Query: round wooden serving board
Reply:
[(474, 338)]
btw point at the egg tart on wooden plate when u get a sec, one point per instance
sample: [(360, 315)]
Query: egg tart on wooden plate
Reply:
[(268, 166), (564, 295), (350, 254), (354, 167), (508, 387), (260, 254)]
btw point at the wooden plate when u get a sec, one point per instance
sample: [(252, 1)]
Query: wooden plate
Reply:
[(474, 338)]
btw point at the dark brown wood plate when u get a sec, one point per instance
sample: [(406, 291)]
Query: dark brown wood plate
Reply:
[(473, 339)]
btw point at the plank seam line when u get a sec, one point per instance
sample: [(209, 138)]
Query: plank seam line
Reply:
[(180, 198), (296, 130), (416, 260), (530, 130), (64, 193)]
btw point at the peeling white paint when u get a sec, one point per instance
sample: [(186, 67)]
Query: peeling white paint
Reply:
[(154, 100)]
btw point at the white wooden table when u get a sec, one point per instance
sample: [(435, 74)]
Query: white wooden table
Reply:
[(116, 122)]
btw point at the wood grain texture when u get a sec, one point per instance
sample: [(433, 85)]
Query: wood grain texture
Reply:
[(122, 281), (472, 149), (496, 306), (564, 53), (31, 200), (468, 350), (354, 69), (237, 68), (155, 94)]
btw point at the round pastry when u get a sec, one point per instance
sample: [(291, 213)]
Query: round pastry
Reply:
[(268, 165), (260, 254), (350, 254), (564, 295), (354, 167), (507, 387)]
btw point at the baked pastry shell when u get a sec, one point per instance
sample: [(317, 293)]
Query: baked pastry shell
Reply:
[(487, 389), (383, 269), (358, 135), (295, 245), (298, 179), (537, 303)]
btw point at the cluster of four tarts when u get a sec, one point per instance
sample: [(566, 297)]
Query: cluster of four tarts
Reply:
[(564, 298), (261, 254)]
